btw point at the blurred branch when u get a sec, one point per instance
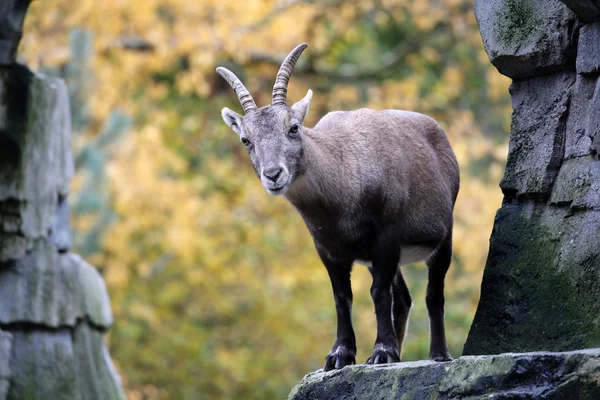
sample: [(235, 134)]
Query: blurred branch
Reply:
[(284, 6), (134, 43), (346, 72)]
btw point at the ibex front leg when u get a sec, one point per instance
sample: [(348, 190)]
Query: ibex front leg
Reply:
[(343, 351), (386, 256)]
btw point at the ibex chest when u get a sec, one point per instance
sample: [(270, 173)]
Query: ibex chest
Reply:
[(349, 234), (343, 233)]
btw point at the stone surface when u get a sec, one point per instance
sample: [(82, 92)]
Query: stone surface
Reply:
[(43, 365), (53, 290), (36, 164), (96, 374), (588, 49), (524, 38), (587, 10), (12, 15), (595, 147), (541, 283), (543, 375), (5, 348), (578, 184), (583, 123), (62, 364), (95, 302), (11, 245), (537, 133), (542, 277), (60, 235)]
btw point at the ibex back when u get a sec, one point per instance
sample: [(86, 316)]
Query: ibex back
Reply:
[(373, 187)]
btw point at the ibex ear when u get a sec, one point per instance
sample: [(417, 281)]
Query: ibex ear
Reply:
[(232, 119), (301, 107)]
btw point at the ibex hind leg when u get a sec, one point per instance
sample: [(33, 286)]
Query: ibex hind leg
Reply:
[(438, 265), (401, 305)]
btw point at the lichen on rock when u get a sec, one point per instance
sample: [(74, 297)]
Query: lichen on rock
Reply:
[(524, 38), (538, 375), (541, 282), (542, 290)]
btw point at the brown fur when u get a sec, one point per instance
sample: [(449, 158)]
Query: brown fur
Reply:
[(375, 187)]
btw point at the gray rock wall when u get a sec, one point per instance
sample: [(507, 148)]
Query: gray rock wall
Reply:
[(54, 307), (5, 347), (541, 282)]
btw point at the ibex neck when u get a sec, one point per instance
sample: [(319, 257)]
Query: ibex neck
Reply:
[(321, 179)]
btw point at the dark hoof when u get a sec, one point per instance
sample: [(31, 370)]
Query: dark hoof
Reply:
[(384, 355), (339, 357), (441, 357)]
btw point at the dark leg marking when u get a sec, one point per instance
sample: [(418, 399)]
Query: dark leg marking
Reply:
[(343, 351), (401, 305), (386, 255), (438, 265)]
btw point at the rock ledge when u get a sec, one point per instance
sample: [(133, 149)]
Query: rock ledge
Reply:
[(538, 375)]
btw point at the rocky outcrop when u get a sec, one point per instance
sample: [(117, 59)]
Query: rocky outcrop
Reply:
[(54, 307), (525, 38), (12, 14), (541, 282), (36, 164), (572, 375)]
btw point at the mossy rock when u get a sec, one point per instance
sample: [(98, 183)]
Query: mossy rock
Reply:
[(541, 283), (525, 38), (541, 375)]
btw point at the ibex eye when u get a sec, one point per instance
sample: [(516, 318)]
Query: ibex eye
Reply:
[(294, 130), (246, 142)]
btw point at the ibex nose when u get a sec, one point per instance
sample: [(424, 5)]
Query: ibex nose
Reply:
[(272, 173)]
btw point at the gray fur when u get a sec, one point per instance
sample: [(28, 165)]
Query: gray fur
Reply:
[(365, 182)]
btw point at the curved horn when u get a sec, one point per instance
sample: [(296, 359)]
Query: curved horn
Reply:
[(238, 87), (283, 76)]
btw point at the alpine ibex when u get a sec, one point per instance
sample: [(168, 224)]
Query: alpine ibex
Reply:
[(373, 187)]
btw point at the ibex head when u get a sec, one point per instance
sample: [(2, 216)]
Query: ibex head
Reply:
[(272, 134)]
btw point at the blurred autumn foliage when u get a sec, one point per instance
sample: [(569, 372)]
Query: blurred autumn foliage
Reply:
[(216, 288)]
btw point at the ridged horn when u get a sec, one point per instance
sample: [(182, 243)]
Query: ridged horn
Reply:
[(238, 87), (283, 76)]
